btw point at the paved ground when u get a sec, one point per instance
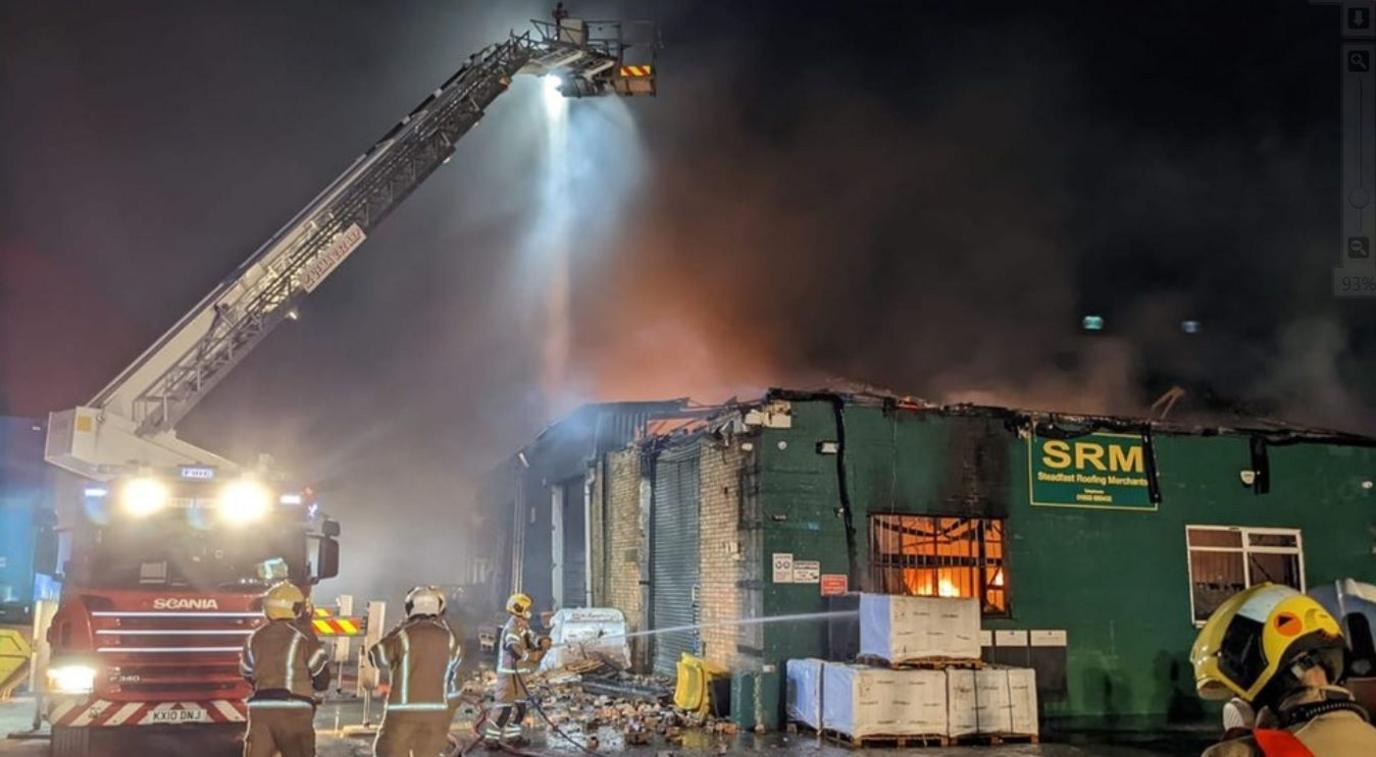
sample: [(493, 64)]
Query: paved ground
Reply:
[(17, 716)]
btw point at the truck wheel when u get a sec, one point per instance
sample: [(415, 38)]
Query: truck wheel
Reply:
[(71, 742)]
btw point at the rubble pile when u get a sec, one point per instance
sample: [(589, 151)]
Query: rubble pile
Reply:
[(595, 702), (576, 710)]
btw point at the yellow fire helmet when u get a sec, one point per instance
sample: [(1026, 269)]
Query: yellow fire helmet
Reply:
[(1255, 638), (519, 605), (284, 601)]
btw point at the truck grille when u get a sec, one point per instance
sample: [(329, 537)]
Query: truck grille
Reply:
[(172, 654)]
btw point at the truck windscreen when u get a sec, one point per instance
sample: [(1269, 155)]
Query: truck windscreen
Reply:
[(171, 550)]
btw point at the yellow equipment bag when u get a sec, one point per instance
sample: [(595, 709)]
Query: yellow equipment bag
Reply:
[(694, 677)]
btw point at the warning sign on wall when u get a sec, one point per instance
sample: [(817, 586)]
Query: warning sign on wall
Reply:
[(834, 584), (783, 567), (806, 571)]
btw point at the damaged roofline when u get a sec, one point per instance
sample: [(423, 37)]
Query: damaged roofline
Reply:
[(696, 419), (1281, 434), (594, 423)]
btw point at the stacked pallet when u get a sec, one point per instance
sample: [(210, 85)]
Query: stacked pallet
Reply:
[(919, 681), (902, 630), (861, 703), (992, 703)]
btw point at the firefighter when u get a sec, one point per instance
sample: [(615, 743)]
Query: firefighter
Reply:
[(422, 657), (1279, 653), (518, 653), (287, 666)]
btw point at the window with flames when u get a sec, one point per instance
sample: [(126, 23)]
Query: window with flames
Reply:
[(933, 555)]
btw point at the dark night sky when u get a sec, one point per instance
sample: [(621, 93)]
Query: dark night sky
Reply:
[(922, 196)]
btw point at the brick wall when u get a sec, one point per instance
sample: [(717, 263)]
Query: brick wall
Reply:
[(720, 546), (624, 563)]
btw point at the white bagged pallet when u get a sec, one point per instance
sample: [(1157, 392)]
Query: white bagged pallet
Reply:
[(960, 702), (804, 692), (920, 701), (857, 700), (580, 633), (993, 713), (902, 629), (861, 701), (995, 700), (1022, 701)]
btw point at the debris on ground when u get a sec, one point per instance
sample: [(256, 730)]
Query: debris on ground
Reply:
[(595, 701)]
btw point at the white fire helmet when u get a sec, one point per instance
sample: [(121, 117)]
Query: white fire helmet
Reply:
[(424, 600)]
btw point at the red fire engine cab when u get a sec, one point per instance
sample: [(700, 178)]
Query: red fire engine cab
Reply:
[(161, 588)]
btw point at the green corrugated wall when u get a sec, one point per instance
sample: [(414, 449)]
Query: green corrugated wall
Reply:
[(1116, 581)]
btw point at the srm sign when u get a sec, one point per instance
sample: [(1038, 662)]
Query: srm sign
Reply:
[(1103, 471)]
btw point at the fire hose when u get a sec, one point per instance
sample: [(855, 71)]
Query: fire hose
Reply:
[(534, 702)]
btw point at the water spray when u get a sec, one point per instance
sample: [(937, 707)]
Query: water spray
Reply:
[(589, 166), (797, 618), (554, 229)]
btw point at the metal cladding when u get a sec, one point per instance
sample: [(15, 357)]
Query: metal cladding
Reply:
[(1092, 543)]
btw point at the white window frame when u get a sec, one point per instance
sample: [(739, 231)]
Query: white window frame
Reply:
[(1246, 548)]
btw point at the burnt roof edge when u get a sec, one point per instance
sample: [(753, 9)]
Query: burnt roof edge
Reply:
[(1285, 434)]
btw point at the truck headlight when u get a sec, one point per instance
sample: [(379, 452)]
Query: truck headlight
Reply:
[(143, 496), (71, 679), (244, 501)]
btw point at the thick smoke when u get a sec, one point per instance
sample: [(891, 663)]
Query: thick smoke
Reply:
[(944, 239), (928, 251)]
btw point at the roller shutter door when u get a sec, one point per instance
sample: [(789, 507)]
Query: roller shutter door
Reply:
[(675, 556)]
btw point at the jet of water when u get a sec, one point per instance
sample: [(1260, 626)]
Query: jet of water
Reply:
[(795, 618)]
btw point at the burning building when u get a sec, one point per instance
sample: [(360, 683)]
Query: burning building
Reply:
[(551, 497), (1096, 545)]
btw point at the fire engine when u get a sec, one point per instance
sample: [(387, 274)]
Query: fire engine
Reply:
[(171, 544), (161, 590)]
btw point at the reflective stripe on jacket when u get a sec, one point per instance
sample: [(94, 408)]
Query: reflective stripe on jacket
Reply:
[(279, 657), (423, 657), (515, 647)]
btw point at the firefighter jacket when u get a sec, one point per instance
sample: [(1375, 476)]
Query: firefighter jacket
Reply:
[(517, 645), (1316, 721), (516, 654), (423, 656), (284, 662)]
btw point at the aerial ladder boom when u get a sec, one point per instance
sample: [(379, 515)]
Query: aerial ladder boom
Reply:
[(131, 422)]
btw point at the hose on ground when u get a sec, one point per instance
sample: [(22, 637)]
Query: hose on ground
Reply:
[(478, 739), (535, 702)]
